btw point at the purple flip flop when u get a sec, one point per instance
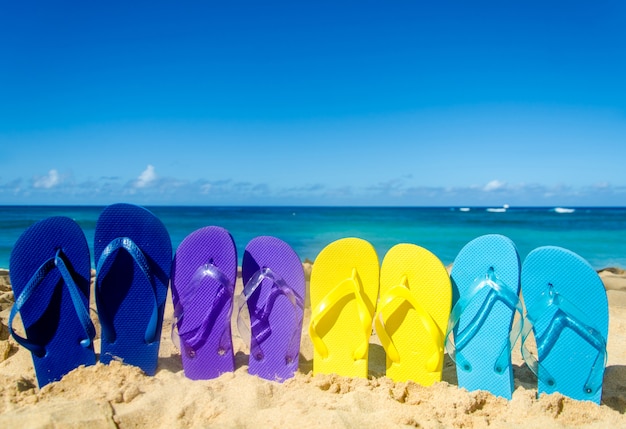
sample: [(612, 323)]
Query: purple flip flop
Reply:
[(274, 293), (203, 283)]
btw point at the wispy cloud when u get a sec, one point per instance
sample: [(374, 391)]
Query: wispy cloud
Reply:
[(494, 185), (15, 186), (150, 188), (48, 181), (146, 178)]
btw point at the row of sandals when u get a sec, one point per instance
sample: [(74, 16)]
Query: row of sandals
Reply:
[(416, 307)]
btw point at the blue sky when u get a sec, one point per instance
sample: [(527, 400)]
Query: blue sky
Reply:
[(313, 103)]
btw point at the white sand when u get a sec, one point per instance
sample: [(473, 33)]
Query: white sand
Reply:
[(121, 396)]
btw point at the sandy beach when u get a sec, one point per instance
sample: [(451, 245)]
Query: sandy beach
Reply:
[(121, 396)]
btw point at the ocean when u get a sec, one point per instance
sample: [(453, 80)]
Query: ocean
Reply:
[(596, 234)]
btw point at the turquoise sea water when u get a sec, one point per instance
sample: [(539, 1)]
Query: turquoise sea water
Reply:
[(597, 234)]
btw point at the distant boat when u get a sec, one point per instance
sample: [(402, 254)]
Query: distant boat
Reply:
[(563, 210), (464, 209), (498, 209)]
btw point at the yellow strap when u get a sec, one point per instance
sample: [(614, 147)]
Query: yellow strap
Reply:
[(402, 291), (349, 286)]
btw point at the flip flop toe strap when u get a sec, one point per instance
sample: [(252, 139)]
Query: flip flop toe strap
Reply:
[(564, 315), (104, 264), (192, 337), (402, 292), (497, 291), (260, 322), (350, 286), (58, 262)]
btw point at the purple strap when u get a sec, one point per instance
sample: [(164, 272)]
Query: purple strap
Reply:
[(192, 337), (260, 322)]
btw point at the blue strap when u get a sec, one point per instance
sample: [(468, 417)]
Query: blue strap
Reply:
[(125, 243), (191, 338), (75, 294), (262, 314), (497, 291), (564, 315)]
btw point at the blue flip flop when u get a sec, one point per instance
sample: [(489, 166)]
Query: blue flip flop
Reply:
[(567, 312), (134, 256), (50, 273), (485, 281)]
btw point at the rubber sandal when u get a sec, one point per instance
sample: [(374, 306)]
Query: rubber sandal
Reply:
[(567, 314), (344, 290), (481, 334), (50, 271), (134, 257), (274, 295), (412, 313)]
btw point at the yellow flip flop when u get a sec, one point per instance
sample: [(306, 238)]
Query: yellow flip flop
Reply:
[(344, 290), (413, 312)]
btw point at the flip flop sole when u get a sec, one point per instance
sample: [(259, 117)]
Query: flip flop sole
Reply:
[(194, 294), (125, 296), (478, 257), (570, 358), (49, 316), (341, 328), (429, 284), (278, 359)]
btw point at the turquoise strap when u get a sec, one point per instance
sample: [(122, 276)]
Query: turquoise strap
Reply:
[(125, 243), (497, 291), (76, 295), (564, 315)]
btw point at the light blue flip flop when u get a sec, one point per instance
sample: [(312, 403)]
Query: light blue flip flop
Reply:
[(480, 335), (567, 311), (133, 252)]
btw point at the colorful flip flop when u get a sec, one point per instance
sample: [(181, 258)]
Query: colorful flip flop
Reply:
[(50, 271), (134, 256), (485, 280), (412, 313), (344, 290), (203, 284), (274, 294), (567, 312)]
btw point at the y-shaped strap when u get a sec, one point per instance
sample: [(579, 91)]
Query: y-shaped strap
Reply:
[(58, 261), (262, 313), (192, 337), (567, 315), (347, 287), (125, 243), (402, 291), (497, 291)]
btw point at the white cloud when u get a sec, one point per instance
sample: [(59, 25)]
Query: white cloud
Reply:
[(51, 180), (146, 177), (494, 185)]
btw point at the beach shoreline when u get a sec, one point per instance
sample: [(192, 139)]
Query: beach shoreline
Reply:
[(122, 396)]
